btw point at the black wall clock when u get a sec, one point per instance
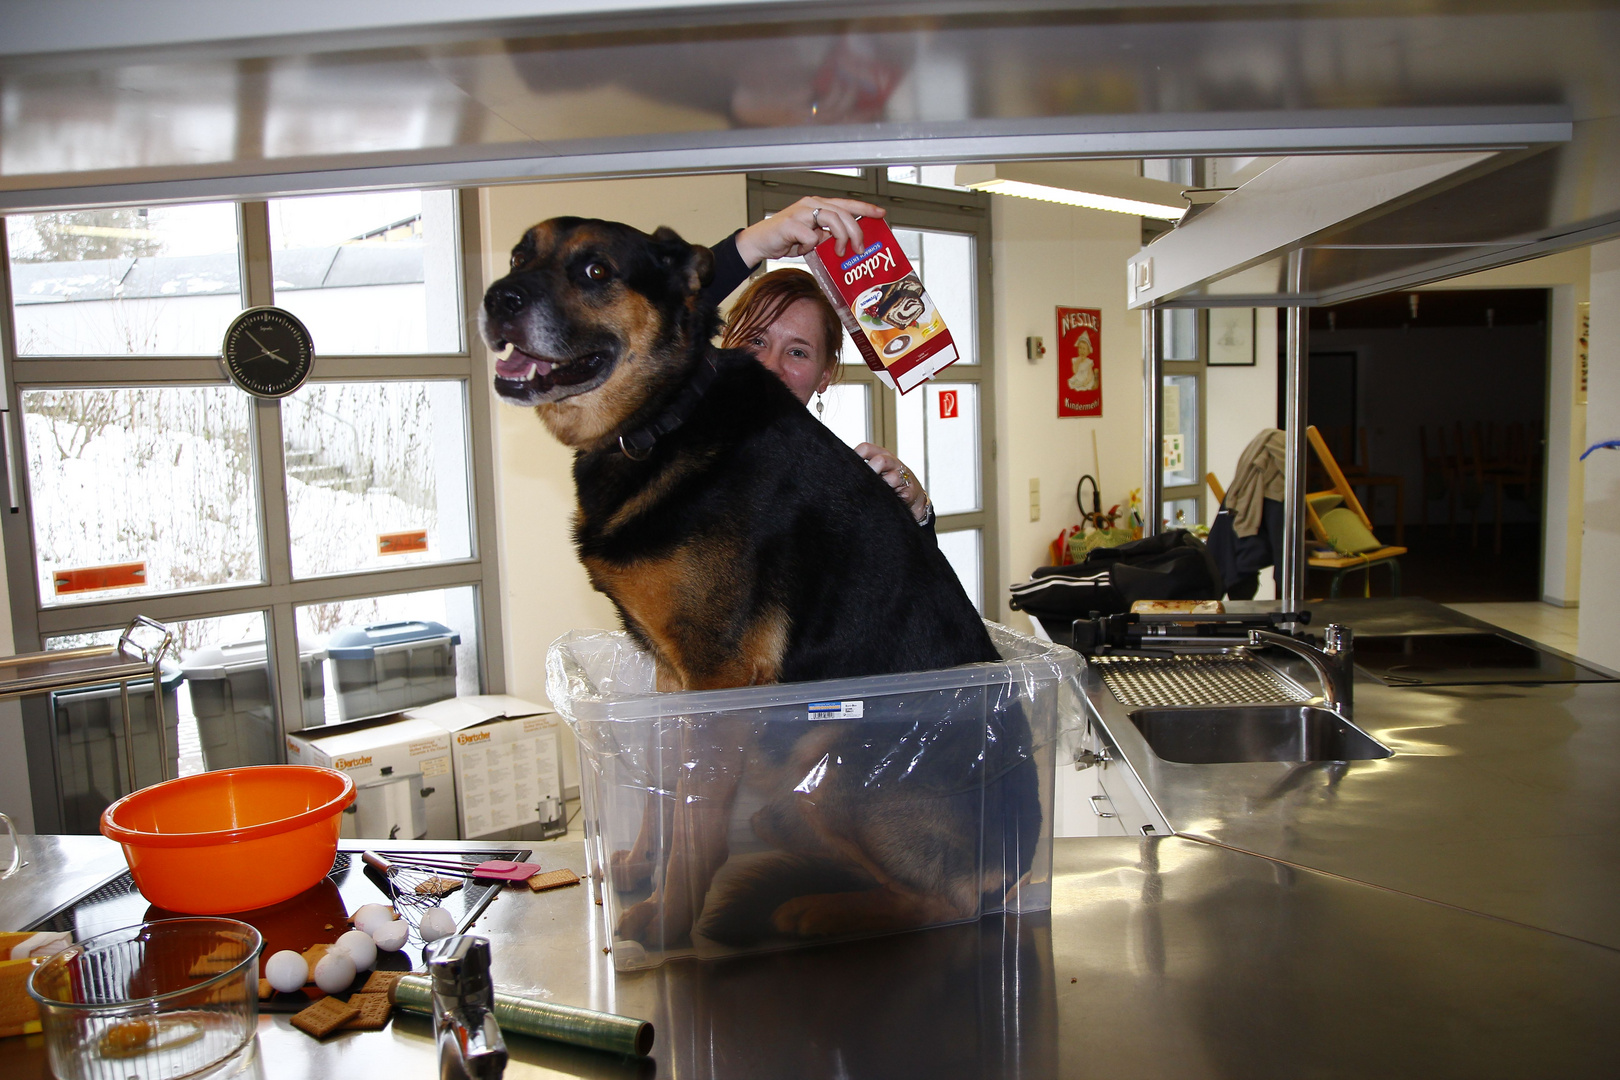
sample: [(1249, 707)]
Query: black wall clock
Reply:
[(267, 352)]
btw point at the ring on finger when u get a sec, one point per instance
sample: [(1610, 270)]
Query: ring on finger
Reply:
[(815, 219)]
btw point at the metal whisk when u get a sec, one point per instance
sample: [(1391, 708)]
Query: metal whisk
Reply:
[(415, 882)]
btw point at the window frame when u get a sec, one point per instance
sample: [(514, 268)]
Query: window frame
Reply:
[(1194, 368), (278, 594), (911, 206)]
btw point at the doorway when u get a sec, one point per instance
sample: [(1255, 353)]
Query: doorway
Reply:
[(1434, 404)]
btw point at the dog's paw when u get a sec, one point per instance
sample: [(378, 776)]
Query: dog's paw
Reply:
[(651, 924), (812, 916), (628, 873)]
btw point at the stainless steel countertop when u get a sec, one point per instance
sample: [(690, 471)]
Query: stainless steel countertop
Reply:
[(1164, 956), (1503, 800), (1161, 957)]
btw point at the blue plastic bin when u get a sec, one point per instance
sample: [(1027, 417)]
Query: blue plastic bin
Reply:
[(392, 666)]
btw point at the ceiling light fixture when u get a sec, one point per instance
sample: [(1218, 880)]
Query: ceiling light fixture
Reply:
[(1087, 199)]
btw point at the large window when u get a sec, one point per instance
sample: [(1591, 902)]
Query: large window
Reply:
[(349, 518), (943, 429)]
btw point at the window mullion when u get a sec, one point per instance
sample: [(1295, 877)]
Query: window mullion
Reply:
[(275, 539)]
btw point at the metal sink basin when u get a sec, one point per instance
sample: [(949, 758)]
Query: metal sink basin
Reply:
[(1230, 733)]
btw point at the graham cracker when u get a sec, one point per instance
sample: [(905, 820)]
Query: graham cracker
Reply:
[(438, 886), (553, 879), (312, 956), (324, 1017), (375, 1011), (381, 982), (225, 956)]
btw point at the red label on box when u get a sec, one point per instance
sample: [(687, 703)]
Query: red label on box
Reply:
[(1079, 364), (882, 303), (399, 543), (93, 578)]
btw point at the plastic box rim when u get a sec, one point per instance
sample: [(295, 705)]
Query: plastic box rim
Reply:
[(1045, 660)]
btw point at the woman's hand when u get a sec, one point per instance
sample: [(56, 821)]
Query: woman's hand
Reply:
[(897, 476), (802, 226)]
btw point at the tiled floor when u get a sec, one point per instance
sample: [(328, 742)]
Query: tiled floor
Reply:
[(1555, 627)]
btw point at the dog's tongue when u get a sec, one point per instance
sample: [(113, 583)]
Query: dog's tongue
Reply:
[(519, 366)]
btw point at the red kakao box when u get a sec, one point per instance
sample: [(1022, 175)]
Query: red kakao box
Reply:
[(882, 303)]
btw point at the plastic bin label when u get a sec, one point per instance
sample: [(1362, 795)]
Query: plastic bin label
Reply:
[(836, 710)]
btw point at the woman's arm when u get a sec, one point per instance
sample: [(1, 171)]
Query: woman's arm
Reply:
[(901, 479), (785, 235)]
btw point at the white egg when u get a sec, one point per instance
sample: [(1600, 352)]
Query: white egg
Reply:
[(361, 949), (391, 937), (371, 916), (286, 971), (334, 972), (436, 923)]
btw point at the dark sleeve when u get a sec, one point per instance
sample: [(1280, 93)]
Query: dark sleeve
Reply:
[(933, 537), (729, 271)]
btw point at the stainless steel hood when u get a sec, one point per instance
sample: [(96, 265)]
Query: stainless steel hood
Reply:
[(233, 99), (1372, 223)]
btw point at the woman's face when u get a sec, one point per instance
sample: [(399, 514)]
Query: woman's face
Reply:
[(793, 348)]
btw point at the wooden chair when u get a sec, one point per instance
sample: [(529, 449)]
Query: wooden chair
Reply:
[(1439, 477), (1337, 564), (1516, 467)]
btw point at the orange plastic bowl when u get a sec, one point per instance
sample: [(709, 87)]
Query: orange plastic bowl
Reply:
[(232, 840)]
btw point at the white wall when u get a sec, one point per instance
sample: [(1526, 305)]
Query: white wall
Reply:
[(1047, 255), (546, 591), (1600, 544), (16, 794)]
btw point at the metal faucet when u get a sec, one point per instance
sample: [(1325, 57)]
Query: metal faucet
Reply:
[(1334, 664), (470, 1043)]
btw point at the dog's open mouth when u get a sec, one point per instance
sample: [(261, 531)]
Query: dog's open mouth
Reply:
[(529, 380)]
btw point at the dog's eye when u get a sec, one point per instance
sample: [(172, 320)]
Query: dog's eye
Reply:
[(596, 271)]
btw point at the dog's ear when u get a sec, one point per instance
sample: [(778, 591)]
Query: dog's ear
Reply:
[(695, 262)]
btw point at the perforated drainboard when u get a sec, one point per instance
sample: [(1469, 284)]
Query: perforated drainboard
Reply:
[(1141, 681)]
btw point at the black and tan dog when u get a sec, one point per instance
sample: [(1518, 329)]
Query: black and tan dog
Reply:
[(743, 543)]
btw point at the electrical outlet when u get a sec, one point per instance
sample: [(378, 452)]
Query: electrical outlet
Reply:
[(1034, 498)]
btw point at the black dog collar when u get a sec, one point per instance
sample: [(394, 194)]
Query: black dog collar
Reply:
[(639, 443)]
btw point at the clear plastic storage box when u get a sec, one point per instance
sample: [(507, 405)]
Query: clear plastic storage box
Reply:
[(392, 666), (90, 756), (767, 817), (230, 697)]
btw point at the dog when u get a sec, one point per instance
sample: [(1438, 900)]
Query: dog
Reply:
[(743, 543)]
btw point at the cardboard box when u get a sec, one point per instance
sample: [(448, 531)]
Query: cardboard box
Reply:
[(507, 754), (405, 788), (882, 303)]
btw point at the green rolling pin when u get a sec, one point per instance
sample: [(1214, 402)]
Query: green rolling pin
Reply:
[(564, 1023)]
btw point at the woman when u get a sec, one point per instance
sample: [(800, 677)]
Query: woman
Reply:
[(784, 319)]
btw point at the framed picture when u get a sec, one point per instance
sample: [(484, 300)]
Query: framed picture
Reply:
[(1079, 361), (1231, 337), (1583, 340)]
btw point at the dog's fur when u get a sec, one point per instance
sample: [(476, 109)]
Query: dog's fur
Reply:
[(748, 545)]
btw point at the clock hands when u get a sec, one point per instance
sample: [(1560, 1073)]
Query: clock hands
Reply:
[(263, 351)]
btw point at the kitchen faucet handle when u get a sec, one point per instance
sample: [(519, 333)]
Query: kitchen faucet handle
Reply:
[(1336, 638)]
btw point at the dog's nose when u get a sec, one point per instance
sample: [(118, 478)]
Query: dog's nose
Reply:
[(504, 301)]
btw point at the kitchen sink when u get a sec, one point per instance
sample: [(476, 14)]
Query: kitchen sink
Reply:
[(1232, 733)]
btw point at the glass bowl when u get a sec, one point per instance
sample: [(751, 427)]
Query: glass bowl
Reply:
[(162, 1000)]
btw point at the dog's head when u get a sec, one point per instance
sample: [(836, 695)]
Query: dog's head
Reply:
[(595, 323)]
